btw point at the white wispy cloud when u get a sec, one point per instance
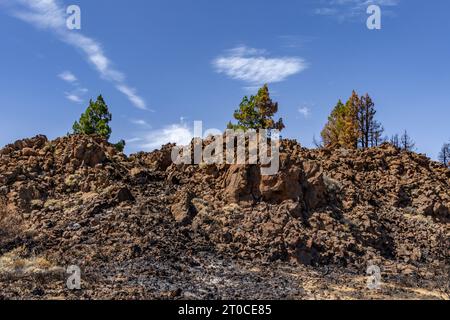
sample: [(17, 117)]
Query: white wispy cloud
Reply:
[(76, 95), (304, 111), (77, 92), (67, 76), (347, 9), (50, 15), (73, 97), (253, 89), (292, 41), (133, 140), (132, 96), (140, 122), (180, 134), (254, 67)]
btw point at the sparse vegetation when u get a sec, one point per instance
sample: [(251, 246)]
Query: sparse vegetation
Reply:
[(18, 263), (9, 223)]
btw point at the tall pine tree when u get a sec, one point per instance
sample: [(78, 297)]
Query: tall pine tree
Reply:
[(366, 115), (331, 134), (350, 135)]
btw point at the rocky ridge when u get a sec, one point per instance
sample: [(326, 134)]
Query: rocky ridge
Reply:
[(143, 227)]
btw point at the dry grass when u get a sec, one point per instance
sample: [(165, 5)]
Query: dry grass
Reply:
[(10, 223), (19, 262), (16, 263)]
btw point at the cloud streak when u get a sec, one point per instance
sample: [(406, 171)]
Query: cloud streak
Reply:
[(140, 122), (348, 9), (50, 15), (304, 111), (75, 95), (131, 94), (254, 67), (68, 76)]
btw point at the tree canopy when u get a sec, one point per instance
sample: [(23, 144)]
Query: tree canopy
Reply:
[(257, 112), (95, 120), (352, 125)]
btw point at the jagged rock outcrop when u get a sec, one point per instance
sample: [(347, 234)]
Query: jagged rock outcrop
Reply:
[(75, 200)]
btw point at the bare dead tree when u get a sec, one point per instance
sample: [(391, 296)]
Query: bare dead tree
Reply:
[(317, 143), (406, 142), (395, 141), (444, 155), (376, 134)]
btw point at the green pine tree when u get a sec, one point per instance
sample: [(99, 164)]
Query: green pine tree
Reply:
[(353, 124), (120, 146), (95, 120), (257, 112), (331, 134)]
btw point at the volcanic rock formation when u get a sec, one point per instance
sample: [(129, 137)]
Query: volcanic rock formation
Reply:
[(143, 227)]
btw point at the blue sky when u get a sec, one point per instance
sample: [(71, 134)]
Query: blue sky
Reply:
[(162, 64)]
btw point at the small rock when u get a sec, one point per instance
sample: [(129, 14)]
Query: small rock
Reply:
[(74, 227), (125, 195), (28, 152)]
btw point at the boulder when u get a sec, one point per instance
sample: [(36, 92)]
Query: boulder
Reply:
[(183, 211)]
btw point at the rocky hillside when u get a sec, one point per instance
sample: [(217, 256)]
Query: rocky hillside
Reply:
[(143, 227)]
